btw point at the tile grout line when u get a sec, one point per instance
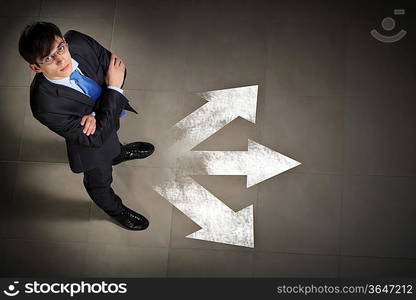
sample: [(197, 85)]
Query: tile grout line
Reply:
[(170, 247), (75, 242), (19, 153), (111, 47), (183, 93), (40, 8), (261, 126), (90, 206), (170, 242), (336, 255), (210, 249), (340, 225), (340, 236), (289, 171), (114, 23), (14, 86)]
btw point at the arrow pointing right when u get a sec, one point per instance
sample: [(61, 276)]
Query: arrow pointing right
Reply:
[(258, 163)]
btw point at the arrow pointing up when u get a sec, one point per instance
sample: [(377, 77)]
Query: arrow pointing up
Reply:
[(258, 163), (223, 107)]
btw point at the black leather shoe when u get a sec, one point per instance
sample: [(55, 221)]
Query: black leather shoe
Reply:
[(136, 150), (132, 220)]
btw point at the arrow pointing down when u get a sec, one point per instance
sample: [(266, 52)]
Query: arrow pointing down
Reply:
[(219, 223)]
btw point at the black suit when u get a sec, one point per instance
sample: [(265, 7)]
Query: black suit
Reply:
[(61, 108)]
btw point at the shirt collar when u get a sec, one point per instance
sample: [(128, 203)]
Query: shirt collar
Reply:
[(65, 79)]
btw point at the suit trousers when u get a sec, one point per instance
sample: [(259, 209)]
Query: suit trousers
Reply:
[(98, 185)]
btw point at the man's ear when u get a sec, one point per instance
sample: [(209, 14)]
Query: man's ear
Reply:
[(35, 68)]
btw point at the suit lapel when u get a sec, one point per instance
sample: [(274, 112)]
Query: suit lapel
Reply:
[(67, 92), (73, 94)]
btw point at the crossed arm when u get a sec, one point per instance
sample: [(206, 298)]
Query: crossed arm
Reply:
[(100, 127), (114, 77)]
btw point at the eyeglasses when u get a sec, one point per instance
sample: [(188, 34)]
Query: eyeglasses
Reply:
[(62, 48)]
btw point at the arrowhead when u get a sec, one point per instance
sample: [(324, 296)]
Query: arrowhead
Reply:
[(242, 101), (236, 230), (265, 163)]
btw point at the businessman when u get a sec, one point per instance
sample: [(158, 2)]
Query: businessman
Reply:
[(77, 93)]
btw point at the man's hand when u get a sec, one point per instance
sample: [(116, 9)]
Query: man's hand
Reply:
[(115, 72), (89, 121)]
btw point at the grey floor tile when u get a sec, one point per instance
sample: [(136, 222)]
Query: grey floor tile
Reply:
[(378, 216), (152, 47), (134, 185), (13, 103), (50, 204), (299, 213), (374, 67), (377, 267), (79, 8), (24, 258), (231, 10), (99, 29), (157, 113), (8, 173), (300, 11), (379, 135), (309, 130), (306, 59), (15, 70), (224, 53), (268, 264), (209, 263), (39, 143), (157, 8), (20, 8), (3, 262), (104, 260), (232, 191)]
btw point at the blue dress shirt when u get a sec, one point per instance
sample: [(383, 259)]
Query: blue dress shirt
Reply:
[(72, 84)]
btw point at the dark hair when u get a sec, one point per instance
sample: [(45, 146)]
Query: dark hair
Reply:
[(37, 39)]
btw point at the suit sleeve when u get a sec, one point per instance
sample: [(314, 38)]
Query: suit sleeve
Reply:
[(103, 55), (69, 127)]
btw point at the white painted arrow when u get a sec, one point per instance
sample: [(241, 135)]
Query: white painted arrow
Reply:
[(223, 107), (219, 223), (258, 163)]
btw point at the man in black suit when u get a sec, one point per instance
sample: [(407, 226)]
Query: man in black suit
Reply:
[(77, 94)]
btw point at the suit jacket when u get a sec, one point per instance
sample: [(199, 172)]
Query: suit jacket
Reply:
[(61, 108)]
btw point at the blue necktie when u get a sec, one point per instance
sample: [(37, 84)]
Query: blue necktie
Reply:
[(89, 86)]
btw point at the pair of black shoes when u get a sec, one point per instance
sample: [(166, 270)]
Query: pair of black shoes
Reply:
[(131, 220), (136, 150), (128, 218)]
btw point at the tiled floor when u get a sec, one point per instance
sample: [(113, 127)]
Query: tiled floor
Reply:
[(330, 96)]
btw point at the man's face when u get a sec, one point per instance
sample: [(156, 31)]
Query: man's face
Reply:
[(61, 65)]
